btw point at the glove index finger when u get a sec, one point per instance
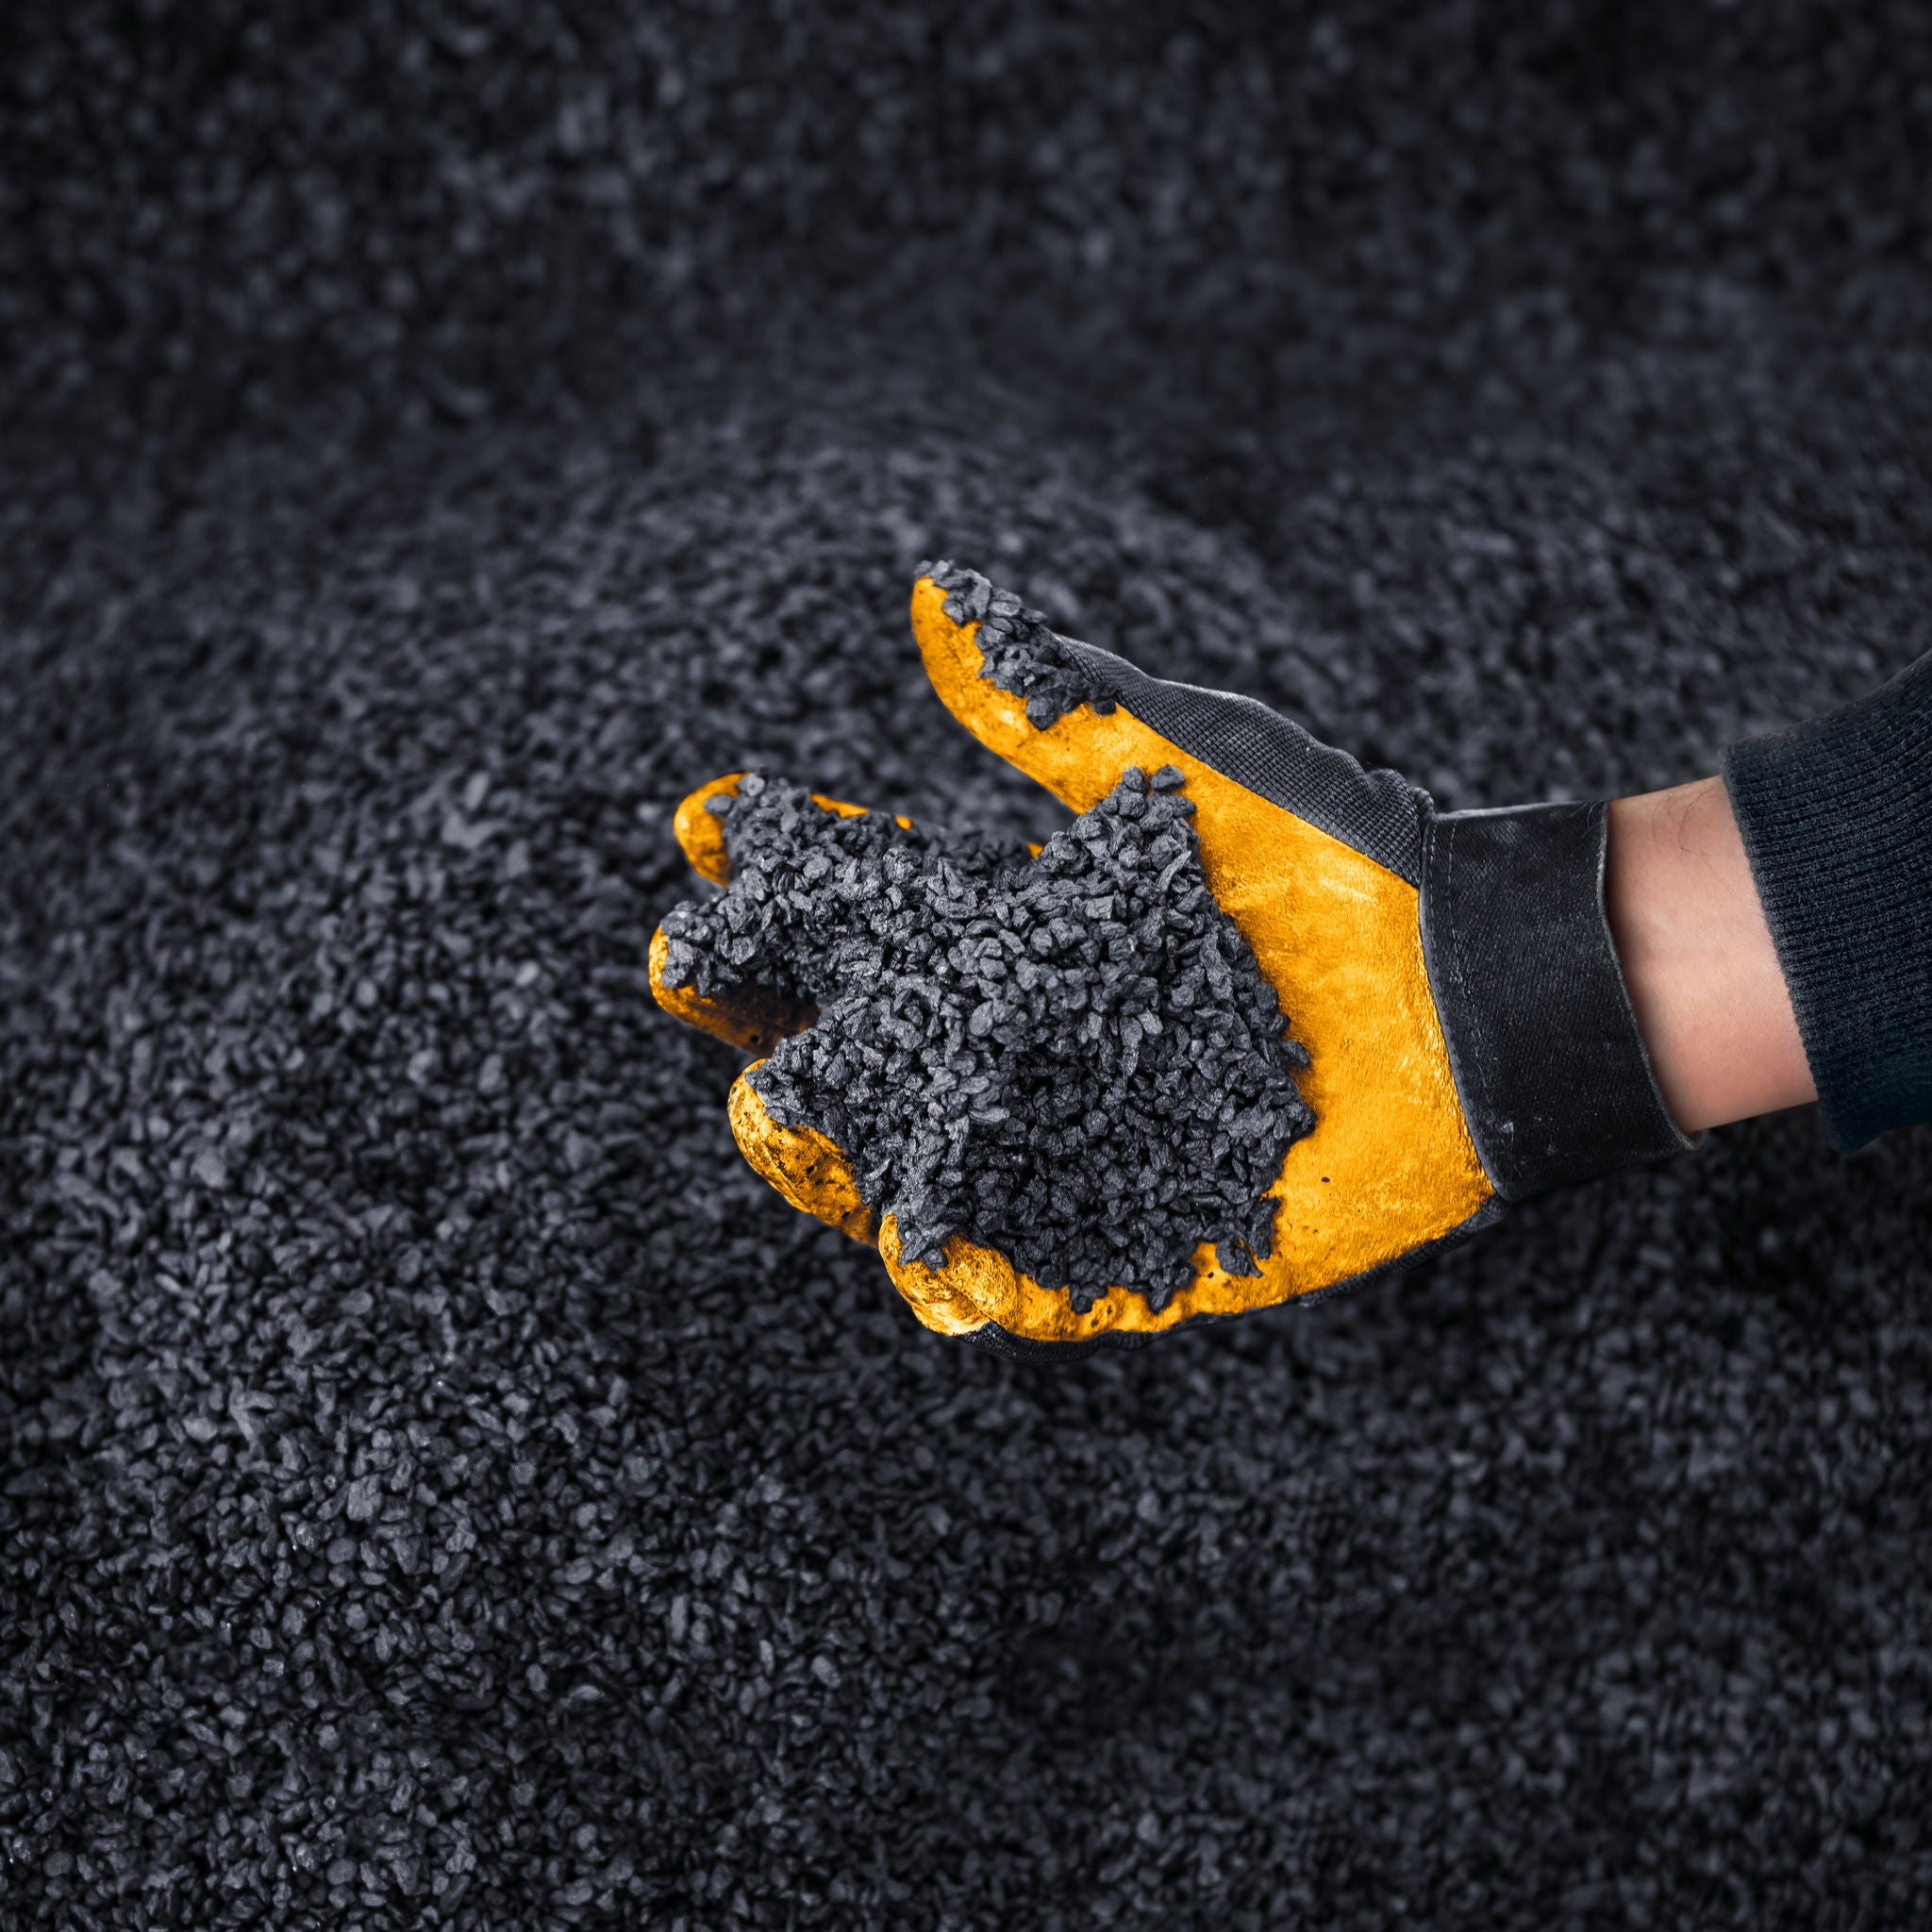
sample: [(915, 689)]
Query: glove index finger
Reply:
[(752, 1018), (700, 831)]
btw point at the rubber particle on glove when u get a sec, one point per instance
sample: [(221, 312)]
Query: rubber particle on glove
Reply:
[(1073, 1059), (1023, 653)]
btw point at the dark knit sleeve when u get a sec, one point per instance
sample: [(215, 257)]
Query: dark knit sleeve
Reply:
[(1837, 818)]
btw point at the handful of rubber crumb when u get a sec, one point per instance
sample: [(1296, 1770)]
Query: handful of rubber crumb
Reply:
[(1073, 1059)]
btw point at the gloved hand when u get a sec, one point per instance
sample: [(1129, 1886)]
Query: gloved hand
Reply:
[(1451, 975)]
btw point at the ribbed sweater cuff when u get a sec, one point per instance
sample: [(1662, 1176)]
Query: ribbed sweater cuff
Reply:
[(1837, 818)]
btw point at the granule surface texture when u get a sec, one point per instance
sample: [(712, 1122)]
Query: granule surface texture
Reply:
[(1019, 650), (440, 1485), (1072, 1059)]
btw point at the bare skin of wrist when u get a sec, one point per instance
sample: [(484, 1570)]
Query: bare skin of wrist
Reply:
[(1698, 958)]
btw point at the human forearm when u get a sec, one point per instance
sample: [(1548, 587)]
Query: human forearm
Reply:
[(1698, 958)]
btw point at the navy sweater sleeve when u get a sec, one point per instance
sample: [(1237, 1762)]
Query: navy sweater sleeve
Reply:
[(1837, 818)]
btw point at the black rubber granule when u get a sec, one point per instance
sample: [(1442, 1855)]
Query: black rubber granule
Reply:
[(1579, 1579), (1024, 654), (1073, 1059)]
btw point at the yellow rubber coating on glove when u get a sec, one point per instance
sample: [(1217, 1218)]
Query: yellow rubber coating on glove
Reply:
[(958, 1298), (807, 1169), (1390, 1165)]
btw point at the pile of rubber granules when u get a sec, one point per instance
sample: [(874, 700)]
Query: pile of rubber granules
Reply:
[(1073, 1059)]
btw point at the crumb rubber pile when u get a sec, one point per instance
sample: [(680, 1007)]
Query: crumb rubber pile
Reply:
[(442, 1488), (1073, 1059)]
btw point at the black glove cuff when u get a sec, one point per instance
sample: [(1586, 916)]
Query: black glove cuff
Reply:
[(1551, 1071)]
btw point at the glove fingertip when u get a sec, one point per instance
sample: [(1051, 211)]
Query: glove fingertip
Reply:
[(1069, 751), (700, 832), (958, 1299), (804, 1166), (751, 1017)]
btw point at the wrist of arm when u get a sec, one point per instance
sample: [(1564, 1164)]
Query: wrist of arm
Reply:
[(1698, 958)]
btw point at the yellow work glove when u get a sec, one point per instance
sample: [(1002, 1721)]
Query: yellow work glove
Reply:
[(1450, 976)]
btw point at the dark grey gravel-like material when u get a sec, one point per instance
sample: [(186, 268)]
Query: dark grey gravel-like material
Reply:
[(1073, 1059), (441, 1484), (1022, 652)]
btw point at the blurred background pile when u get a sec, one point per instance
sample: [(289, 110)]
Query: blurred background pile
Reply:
[(440, 1486)]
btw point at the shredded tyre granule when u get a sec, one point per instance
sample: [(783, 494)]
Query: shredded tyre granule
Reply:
[(1022, 652), (1073, 1059)]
